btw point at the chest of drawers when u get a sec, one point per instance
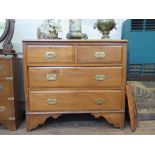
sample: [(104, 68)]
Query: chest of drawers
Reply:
[(74, 76), (11, 91)]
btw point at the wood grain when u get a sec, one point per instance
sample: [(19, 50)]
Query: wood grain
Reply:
[(11, 97), (5, 70), (116, 119), (9, 109), (64, 54), (75, 100), (10, 124), (86, 54), (7, 88), (134, 122), (75, 86), (75, 77)]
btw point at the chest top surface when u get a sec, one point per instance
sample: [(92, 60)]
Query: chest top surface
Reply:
[(76, 41)]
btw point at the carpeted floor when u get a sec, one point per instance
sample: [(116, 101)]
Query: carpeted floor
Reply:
[(81, 125)]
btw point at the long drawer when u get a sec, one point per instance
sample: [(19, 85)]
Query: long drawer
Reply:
[(99, 54), (51, 77), (50, 54), (6, 109), (84, 100), (5, 89)]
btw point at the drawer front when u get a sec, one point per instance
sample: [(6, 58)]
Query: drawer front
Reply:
[(5, 89), (99, 54), (6, 109), (5, 68), (46, 101), (46, 77), (50, 54)]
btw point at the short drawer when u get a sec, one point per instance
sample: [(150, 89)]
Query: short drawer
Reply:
[(5, 68), (84, 100), (6, 109), (50, 54), (99, 54), (5, 89), (46, 77)]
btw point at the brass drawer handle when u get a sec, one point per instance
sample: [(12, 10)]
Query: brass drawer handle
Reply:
[(99, 101), (2, 108), (52, 101), (9, 78), (1, 67), (1, 88), (50, 55), (51, 77), (100, 77), (100, 55)]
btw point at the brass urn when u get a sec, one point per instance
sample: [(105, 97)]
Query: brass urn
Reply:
[(105, 26)]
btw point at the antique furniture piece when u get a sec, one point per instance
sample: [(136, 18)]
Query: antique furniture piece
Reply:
[(75, 31), (140, 34), (74, 76), (6, 34), (105, 26), (11, 91), (132, 107)]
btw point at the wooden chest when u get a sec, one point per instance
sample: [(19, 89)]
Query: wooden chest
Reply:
[(74, 76), (11, 91)]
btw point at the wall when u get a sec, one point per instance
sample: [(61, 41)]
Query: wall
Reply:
[(26, 29)]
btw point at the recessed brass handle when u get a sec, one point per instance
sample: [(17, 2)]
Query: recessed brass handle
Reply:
[(51, 77), (1, 88), (9, 78), (100, 77), (50, 55), (1, 67), (100, 55), (99, 101), (2, 108), (52, 101)]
